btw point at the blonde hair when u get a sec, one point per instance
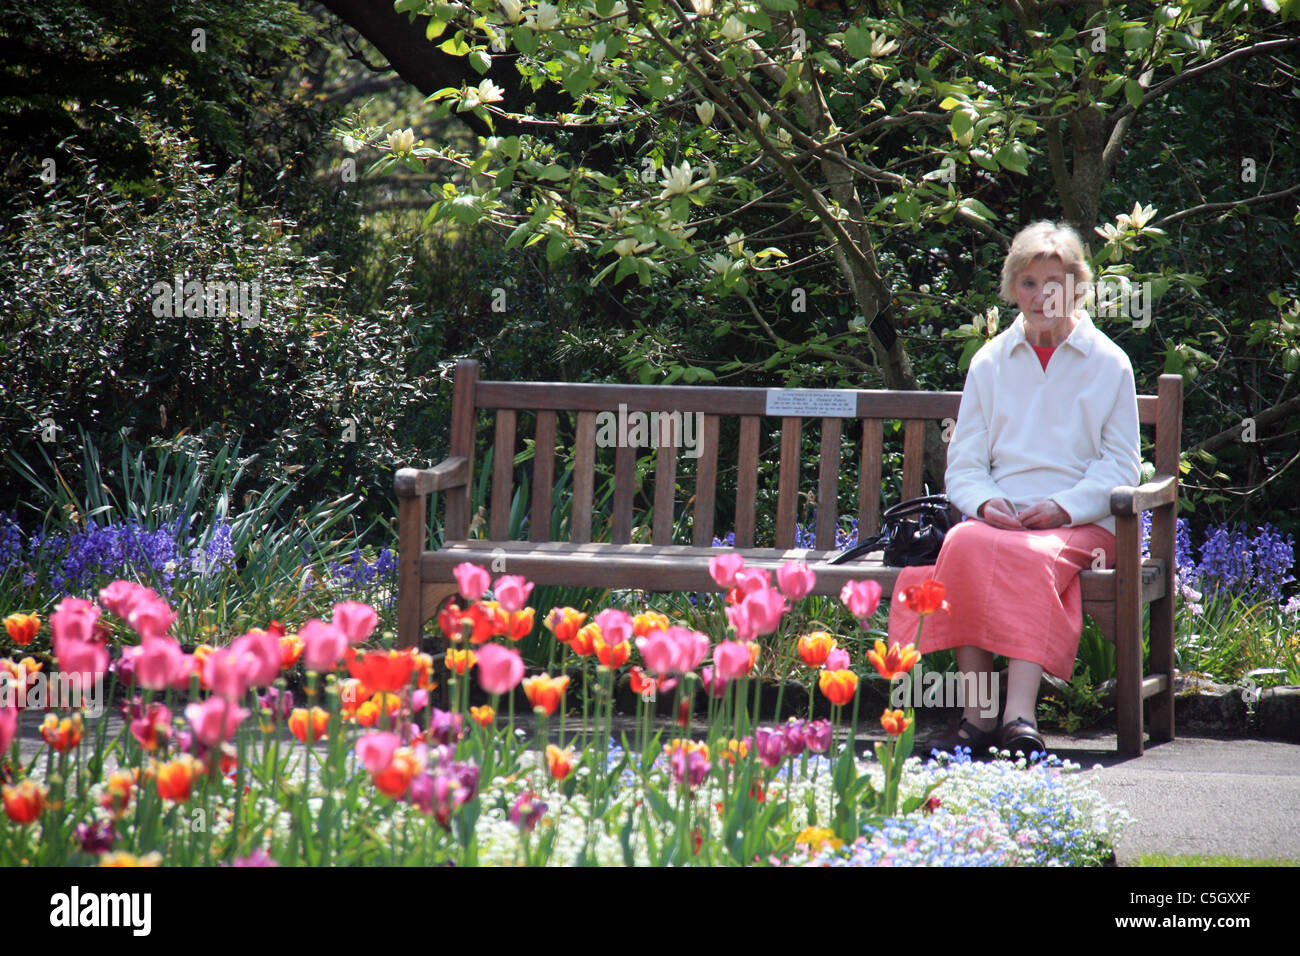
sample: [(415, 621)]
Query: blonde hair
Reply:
[(1042, 240)]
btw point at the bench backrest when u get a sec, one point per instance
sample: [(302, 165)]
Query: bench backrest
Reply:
[(672, 404)]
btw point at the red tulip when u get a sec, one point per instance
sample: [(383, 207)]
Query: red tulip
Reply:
[(383, 671), (23, 803), (22, 628), (924, 598)]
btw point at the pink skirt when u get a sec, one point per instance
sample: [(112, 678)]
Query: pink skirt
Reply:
[(1015, 593)]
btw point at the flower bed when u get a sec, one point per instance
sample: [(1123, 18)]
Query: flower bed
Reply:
[(204, 770)]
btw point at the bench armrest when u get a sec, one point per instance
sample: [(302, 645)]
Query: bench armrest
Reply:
[(1160, 490), (418, 482)]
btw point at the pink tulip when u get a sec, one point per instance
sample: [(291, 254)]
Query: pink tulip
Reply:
[(765, 608), (160, 663), (731, 660), (837, 660), (694, 647), (323, 645), (261, 653), (715, 685), (226, 672), (738, 617), (375, 751), (796, 579), (8, 727), (152, 726), (615, 626), (356, 620), (471, 580), (74, 619), (150, 617), (512, 592), (749, 580), (215, 720), (87, 658), (723, 568), (499, 669), (659, 652), (120, 596), (862, 598)]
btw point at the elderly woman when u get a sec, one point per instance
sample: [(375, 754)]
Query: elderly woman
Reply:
[(1048, 425)]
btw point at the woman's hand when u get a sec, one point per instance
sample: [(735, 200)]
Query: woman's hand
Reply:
[(1001, 514), (1044, 514)]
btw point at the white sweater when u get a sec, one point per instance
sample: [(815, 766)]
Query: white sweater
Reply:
[(1069, 433)]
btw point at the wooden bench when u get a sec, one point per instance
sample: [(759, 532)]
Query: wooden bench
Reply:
[(1114, 598)]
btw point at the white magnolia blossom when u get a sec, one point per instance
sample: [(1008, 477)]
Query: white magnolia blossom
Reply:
[(703, 7), (401, 140), (718, 263), (882, 45), (735, 243), (678, 181), (485, 92), (704, 110), (733, 29), (763, 119), (597, 52), (1137, 219), (907, 87), (630, 247), (514, 10), (546, 17)]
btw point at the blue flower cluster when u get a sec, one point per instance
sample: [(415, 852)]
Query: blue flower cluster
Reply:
[(1232, 560), (77, 560), (805, 536), (358, 577)]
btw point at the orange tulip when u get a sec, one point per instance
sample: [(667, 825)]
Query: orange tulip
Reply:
[(201, 654), (61, 735), (291, 646), (754, 650), (382, 671), (814, 647), (559, 762), (22, 628), (584, 640), (352, 694), (564, 623), (130, 859), (175, 778), (368, 713), (23, 674), (424, 671), (648, 621), (545, 693), (514, 626), (897, 660), (459, 661), (396, 780), (641, 683), (317, 721), (838, 686), (732, 749), (894, 722), (615, 656), (117, 792), (924, 598), (24, 802), (483, 716)]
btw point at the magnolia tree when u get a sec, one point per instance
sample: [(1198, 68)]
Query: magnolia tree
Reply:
[(832, 135)]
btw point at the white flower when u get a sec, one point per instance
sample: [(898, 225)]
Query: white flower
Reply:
[(881, 45), (763, 119), (630, 247), (703, 7), (924, 287), (485, 92), (907, 87), (705, 110), (401, 140), (597, 52), (546, 17), (733, 29), (718, 263), (736, 243), (1138, 218), (514, 10), (678, 180), (784, 136)]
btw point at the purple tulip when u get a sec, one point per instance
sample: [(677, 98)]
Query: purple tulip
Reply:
[(96, 838), (795, 736), (770, 745), (818, 735)]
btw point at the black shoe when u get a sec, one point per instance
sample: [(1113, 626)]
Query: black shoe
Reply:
[(1020, 736), (964, 734)]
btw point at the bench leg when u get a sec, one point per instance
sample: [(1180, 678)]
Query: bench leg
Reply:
[(1128, 636), (1162, 662), (411, 542)]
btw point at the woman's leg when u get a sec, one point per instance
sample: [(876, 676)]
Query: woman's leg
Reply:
[(1023, 679), (978, 661)]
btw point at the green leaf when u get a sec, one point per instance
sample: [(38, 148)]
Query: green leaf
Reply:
[(949, 103), (984, 158), (455, 46), (435, 28), (908, 208), (1133, 93), (480, 61), (1014, 157), (857, 42), (524, 40), (780, 4), (555, 249)]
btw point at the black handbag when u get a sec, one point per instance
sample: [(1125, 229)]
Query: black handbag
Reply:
[(911, 533)]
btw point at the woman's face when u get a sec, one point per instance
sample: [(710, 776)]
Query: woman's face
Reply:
[(1045, 293)]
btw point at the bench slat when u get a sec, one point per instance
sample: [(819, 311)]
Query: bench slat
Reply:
[(503, 468), (584, 478), (706, 483), (624, 479), (543, 477), (665, 484), (787, 496), (913, 453), (746, 481), (873, 438), (828, 484)]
